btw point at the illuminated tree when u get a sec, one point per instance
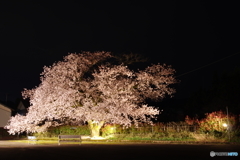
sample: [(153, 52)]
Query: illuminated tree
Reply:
[(81, 89)]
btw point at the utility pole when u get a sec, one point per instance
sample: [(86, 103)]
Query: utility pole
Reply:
[(228, 128), (6, 97)]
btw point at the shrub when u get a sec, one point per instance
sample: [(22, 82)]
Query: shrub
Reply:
[(108, 129), (71, 130), (217, 123)]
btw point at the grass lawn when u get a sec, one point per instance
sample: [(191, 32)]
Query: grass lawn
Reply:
[(130, 141)]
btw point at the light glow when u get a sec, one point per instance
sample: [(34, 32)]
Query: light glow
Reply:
[(225, 125)]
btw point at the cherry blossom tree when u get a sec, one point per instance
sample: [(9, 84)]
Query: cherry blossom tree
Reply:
[(84, 89)]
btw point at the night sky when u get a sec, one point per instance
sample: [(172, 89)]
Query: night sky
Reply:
[(197, 38)]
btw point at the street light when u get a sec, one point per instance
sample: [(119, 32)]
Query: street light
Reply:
[(228, 129), (225, 125)]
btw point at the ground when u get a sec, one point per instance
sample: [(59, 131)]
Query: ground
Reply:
[(24, 151)]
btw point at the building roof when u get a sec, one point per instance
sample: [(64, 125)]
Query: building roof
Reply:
[(5, 108)]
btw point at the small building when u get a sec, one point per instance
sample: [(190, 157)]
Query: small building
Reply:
[(22, 107), (5, 115)]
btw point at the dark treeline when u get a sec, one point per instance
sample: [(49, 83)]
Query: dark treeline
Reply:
[(222, 94)]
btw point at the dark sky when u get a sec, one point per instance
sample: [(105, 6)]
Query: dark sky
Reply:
[(186, 35)]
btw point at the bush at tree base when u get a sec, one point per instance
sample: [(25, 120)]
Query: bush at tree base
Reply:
[(166, 131)]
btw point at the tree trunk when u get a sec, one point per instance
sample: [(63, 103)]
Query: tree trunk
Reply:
[(95, 128)]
